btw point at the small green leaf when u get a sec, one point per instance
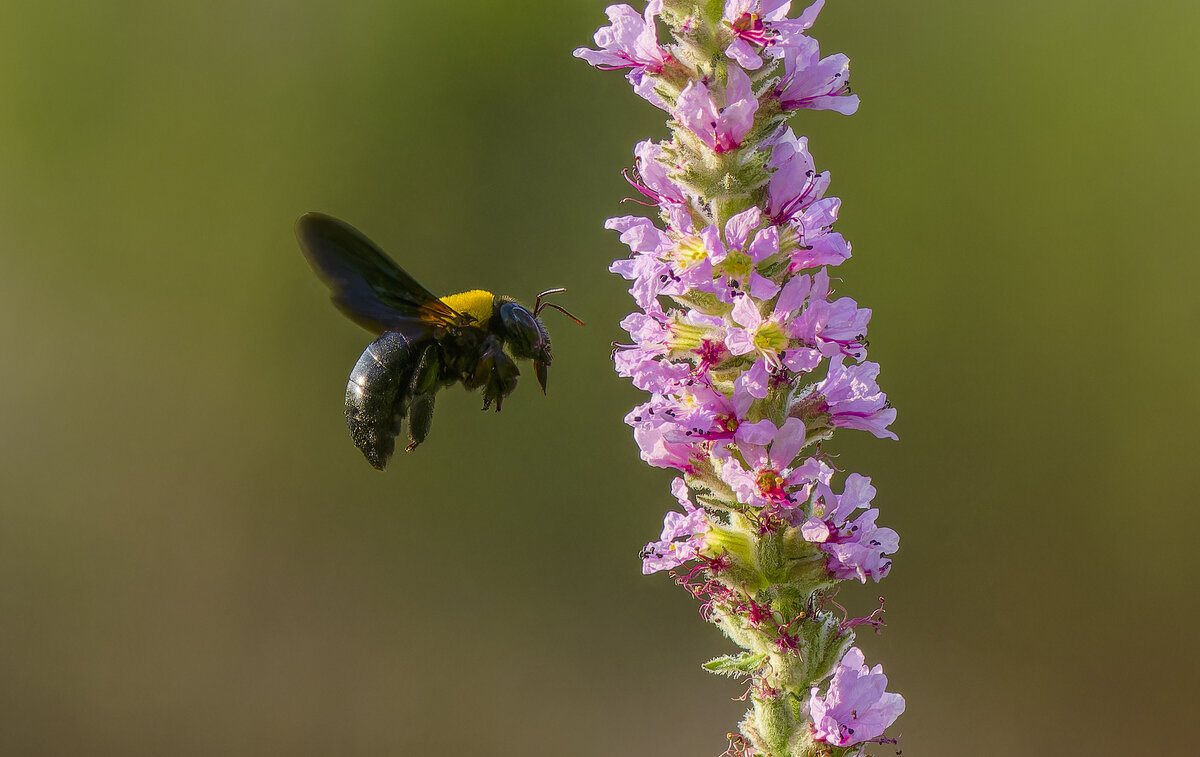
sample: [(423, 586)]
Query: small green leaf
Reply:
[(735, 665)]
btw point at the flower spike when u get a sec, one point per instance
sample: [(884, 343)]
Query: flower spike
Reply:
[(752, 363)]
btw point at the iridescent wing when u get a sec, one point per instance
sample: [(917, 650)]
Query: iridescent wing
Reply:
[(367, 285)]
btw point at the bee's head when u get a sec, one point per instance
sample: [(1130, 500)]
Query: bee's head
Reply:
[(525, 334)]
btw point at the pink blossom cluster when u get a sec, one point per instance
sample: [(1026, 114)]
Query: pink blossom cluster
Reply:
[(750, 357)]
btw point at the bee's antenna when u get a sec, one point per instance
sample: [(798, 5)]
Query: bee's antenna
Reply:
[(539, 306)]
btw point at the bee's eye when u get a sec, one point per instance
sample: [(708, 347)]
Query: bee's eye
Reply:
[(523, 332)]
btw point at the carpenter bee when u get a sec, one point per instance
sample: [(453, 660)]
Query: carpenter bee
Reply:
[(425, 342)]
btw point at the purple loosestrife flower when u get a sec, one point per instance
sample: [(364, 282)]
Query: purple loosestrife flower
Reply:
[(795, 200), (661, 452), (850, 398), (810, 81), (757, 25), (831, 328), (648, 372), (649, 274), (766, 479), (855, 549), (720, 129), (630, 42), (707, 413), (654, 182), (858, 549), (739, 256), (682, 536), (751, 361), (795, 183), (767, 337), (856, 708)]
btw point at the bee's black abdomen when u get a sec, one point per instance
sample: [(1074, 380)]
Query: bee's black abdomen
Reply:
[(377, 396)]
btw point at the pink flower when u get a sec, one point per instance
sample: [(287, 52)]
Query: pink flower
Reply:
[(749, 20), (795, 196), (702, 412), (722, 130), (832, 328), (764, 25), (682, 535), (795, 184), (653, 181), (810, 81), (767, 479), (768, 337), (661, 452), (648, 274), (857, 549), (738, 256), (647, 371), (853, 399), (630, 41), (855, 708)]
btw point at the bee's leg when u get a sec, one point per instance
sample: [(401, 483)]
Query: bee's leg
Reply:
[(485, 367), (420, 418), (400, 412), (403, 400), (376, 395), (501, 381), (422, 390)]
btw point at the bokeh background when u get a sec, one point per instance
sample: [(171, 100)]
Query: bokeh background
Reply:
[(194, 560)]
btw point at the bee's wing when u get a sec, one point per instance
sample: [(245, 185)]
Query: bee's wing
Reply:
[(367, 285)]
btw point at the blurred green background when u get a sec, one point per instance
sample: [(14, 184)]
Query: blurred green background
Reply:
[(194, 559)]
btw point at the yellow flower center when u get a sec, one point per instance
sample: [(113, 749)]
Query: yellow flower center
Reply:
[(686, 336), (737, 265), (770, 338), (690, 251), (770, 482)]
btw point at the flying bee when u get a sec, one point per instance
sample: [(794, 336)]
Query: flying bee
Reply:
[(424, 343)]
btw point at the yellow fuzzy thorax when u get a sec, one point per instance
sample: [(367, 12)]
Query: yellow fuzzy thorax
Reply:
[(476, 303)]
